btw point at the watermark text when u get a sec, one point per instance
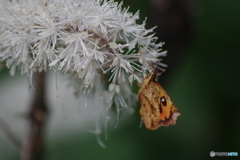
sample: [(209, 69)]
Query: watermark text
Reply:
[(213, 154)]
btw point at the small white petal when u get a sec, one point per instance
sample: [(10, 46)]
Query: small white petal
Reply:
[(88, 78), (111, 87), (130, 78), (117, 89), (115, 61), (83, 35), (69, 39), (108, 98), (113, 45)]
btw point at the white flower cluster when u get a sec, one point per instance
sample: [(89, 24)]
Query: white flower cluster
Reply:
[(96, 40)]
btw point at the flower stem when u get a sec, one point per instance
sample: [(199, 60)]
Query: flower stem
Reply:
[(38, 113)]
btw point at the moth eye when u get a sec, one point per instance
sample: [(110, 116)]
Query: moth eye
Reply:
[(163, 101)]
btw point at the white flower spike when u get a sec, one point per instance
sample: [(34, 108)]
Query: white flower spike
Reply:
[(96, 40)]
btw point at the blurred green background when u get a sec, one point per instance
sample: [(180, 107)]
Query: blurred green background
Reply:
[(204, 85)]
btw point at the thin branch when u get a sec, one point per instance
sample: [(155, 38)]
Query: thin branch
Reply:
[(9, 133)]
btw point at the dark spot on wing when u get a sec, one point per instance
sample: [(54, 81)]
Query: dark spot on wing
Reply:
[(163, 101)]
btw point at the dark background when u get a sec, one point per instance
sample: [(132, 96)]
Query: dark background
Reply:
[(202, 39)]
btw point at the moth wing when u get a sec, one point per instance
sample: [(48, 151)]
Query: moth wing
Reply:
[(153, 111), (174, 113), (145, 111), (168, 113), (149, 110)]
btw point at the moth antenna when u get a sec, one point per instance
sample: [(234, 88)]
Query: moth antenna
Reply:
[(160, 73), (156, 70)]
